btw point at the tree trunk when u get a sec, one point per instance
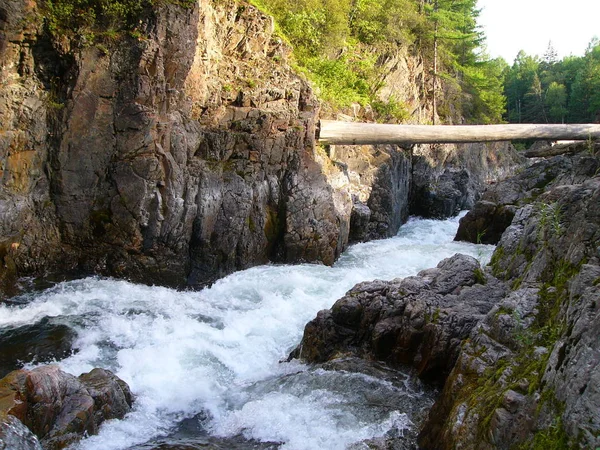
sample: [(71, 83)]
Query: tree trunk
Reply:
[(354, 133)]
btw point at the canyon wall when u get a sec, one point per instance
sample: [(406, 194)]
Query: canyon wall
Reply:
[(186, 151)]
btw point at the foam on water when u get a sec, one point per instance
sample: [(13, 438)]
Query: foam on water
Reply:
[(218, 350)]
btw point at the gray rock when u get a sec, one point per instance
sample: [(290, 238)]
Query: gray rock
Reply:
[(417, 320), (16, 436)]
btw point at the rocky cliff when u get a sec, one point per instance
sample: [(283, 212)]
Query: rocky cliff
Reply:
[(173, 158), (514, 344), (186, 150)]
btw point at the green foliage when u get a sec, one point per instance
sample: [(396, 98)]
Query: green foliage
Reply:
[(390, 111), (548, 90), (342, 46), (92, 20)]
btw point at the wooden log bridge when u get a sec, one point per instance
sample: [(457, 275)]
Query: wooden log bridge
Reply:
[(355, 133)]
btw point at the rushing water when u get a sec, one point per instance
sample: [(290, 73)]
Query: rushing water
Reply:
[(209, 361)]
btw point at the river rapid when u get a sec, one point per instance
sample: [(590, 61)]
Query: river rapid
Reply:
[(206, 367)]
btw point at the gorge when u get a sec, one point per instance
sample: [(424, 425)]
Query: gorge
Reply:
[(146, 180)]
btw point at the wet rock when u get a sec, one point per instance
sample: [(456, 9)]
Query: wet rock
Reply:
[(60, 408), (420, 321), (40, 342), (16, 436)]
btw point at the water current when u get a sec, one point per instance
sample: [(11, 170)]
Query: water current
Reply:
[(209, 362)]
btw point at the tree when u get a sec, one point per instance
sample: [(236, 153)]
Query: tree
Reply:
[(556, 102)]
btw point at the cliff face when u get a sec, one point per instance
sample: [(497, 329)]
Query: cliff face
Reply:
[(188, 151), (174, 159)]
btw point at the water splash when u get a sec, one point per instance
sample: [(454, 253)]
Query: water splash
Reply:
[(218, 351)]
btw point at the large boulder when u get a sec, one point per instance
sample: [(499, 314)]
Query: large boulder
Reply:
[(420, 321), (60, 408)]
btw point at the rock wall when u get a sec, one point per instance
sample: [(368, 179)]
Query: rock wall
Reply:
[(188, 151), (514, 344), (175, 158)]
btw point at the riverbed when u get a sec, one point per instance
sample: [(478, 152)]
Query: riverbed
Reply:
[(210, 365)]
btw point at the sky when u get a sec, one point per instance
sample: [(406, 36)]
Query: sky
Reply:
[(513, 25)]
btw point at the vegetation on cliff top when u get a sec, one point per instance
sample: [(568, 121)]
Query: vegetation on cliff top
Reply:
[(92, 20), (344, 45)]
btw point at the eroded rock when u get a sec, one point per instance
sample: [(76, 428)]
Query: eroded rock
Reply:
[(420, 321), (60, 408)]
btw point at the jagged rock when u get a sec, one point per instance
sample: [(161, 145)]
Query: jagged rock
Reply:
[(490, 216), (40, 342), (529, 374), (60, 408), (418, 320)]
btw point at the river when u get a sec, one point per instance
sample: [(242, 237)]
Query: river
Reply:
[(207, 364)]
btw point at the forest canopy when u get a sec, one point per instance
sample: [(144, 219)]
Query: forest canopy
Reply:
[(548, 90)]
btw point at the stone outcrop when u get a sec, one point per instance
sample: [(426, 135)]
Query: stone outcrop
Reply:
[(419, 320), (515, 345), (493, 214), (57, 407)]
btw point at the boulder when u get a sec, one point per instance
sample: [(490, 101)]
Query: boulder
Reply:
[(60, 408), (485, 223), (420, 321)]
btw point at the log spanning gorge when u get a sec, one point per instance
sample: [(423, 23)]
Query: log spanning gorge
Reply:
[(352, 133)]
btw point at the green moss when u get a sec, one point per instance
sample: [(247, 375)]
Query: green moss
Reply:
[(89, 21), (251, 224), (480, 277), (596, 281), (495, 261)]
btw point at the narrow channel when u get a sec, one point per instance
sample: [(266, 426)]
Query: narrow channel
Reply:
[(209, 362)]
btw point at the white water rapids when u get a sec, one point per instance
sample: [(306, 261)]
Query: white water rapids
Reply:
[(216, 353)]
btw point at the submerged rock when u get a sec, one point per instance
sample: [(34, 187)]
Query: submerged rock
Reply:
[(43, 341), (60, 408)]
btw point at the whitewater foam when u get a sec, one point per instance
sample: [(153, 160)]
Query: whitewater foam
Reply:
[(218, 351)]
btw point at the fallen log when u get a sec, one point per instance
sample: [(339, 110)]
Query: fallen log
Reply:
[(562, 149), (356, 133)]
